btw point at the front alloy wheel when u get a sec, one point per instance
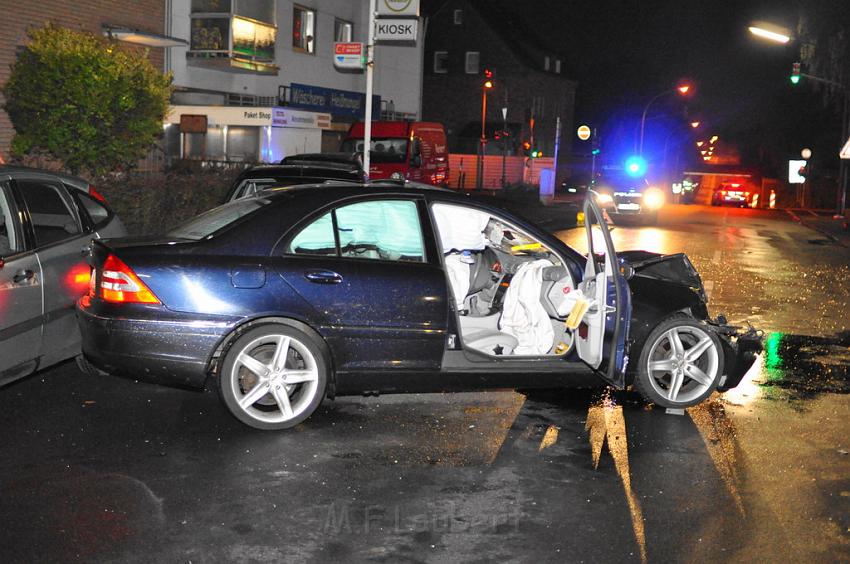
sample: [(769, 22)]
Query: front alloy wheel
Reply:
[(681, 363), (273, 377)]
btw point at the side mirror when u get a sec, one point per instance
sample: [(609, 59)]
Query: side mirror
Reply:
[(2, 263), (416, 153), (416, 161), (627, 270)]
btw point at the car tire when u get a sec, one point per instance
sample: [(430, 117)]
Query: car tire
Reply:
[(295, 385), (668, 375)]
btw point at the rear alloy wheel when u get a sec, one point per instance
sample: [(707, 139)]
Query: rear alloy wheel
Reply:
[(273, 377), (681, 363)]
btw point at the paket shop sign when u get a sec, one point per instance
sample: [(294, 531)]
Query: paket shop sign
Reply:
[(277, 117)]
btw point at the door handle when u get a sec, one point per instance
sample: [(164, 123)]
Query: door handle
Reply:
[(22, 275), (323, 277)]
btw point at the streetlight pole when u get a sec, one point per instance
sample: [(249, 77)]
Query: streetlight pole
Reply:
[(479, 181), (683, 89), (370, 62)]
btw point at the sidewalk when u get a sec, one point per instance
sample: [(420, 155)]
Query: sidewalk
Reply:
[(823, 222)]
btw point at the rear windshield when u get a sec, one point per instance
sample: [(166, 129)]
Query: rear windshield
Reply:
[(216, 219), (387, 150)]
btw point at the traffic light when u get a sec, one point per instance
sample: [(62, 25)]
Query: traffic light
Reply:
[(526, 148), (488, 79), (635, 166), (535, 153), (795, 73)]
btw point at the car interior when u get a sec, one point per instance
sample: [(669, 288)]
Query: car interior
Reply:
[(510, 291)]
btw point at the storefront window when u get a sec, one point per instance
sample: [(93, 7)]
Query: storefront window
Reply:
[(304, 29), (233, 34), (243, 143)]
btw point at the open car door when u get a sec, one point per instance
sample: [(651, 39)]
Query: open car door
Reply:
[(601, 335)]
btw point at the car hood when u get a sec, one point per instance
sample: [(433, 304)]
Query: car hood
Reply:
[(676, 268)]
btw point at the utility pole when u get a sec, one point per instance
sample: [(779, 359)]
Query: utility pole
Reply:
[(370, 62), (504, 138)]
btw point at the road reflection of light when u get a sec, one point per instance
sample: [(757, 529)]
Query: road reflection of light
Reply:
[(201, 299), (549, 439), (718, 435), (606, 424)]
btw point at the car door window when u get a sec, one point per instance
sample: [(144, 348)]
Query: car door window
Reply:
[(379, 230), (52, 218), (96, 211), (8, 235)]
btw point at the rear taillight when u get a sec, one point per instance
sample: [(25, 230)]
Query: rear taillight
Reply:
[(94, 194), (119, 284)]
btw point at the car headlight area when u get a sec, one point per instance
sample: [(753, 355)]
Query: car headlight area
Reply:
[(653, 198)]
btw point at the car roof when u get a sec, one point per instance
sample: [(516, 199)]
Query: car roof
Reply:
[(337, 190), (298, 169), (14, 170), (347, 159)]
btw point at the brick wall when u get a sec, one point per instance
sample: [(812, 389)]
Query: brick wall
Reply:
[(88, 15)]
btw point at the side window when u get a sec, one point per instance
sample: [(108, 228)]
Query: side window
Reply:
[(387, 230), (52, 219), (250, 186), (96, 211), (8, 234), (315, 239), (382, 230)]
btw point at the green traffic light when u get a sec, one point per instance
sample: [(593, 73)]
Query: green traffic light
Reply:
[(795, 78)]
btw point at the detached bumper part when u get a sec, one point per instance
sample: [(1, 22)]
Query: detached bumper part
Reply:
[(740, 349)]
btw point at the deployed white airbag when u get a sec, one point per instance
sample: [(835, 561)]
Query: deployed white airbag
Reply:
[(458, 272), (460, 228), (523, 316)]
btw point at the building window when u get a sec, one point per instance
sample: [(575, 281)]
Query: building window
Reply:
[(343, 31), (441, 62), (458, 17), (304, 29), (227, 35), (472, 59), (546, 63), (558, 66)]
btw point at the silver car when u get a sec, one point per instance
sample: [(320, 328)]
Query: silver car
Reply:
[(47, 221)]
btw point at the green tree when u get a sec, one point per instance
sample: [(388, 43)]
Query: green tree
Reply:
[(85, 100)]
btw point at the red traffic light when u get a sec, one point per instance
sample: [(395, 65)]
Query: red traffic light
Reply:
[(488, 73)]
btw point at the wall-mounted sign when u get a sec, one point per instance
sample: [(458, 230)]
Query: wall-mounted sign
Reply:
[(349, 56), (193, 123), (398, 8), (583, 132), (332, 101), (395, 29), (284, 117)]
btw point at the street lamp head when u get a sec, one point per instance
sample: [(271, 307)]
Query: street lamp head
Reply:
[(771, 32), (694, 124), (683, 89)]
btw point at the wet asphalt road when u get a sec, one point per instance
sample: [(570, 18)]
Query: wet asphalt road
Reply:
[(108, 469)]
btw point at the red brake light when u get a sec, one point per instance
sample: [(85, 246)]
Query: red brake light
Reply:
[(94, 194), (723, 192), (119, 284)]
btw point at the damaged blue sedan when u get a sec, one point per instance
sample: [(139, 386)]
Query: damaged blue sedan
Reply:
[(308, 292)]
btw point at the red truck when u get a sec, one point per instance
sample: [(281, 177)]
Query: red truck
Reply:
[(404, 150)]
